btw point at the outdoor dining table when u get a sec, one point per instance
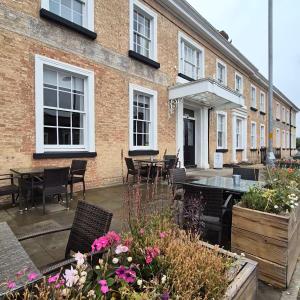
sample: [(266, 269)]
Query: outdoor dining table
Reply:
[(226, 183), (26, 173), (151, 163), (13, 260)]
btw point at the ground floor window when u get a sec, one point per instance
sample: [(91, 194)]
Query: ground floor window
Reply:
[(143, 115), (277, 137), (262, 136), (64, 107), (221, 130), (283, 139), (239, 130), (253, 135), (287, 140)]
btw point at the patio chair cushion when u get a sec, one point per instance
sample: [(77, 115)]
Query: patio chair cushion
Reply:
[(8, 189)]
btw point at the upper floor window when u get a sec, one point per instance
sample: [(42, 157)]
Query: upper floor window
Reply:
[(238, 83), (262, 102), (221, 72), (143, 118), (253, 135), (222, 130), (287, 118), (191, 58), (253, 96), (283, 114), (277, 111), (143, 30), (64, 107), (80, 12), (262, 136)]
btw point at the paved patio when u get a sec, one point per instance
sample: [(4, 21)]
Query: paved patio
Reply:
[(44, 250)]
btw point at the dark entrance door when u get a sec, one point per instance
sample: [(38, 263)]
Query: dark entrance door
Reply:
[(189, 143)]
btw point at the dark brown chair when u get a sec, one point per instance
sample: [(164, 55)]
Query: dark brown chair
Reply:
[(134, 171), (246, 173), (177, 179), (9, 189), (90, 222), (170, 163), (77, 172), (54, 182), (215, 214)]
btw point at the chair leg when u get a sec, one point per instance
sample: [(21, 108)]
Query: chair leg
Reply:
[(44, 203), (127, 177), (67, 200), (83, 184), (13, 199), (71, 191)]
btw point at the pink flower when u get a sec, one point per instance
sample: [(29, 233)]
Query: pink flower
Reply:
[(20, 273), (126, 274), (162, 235), (113, 237), (60, 284), (121, 249), (107, 240), (142, 231), (151, 253), (31, 276), (53, 279), (11, 284), (104, 288)]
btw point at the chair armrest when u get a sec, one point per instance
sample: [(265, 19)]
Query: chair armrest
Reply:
[(42, 233), (47, 270), (225, 205), (76, 170)]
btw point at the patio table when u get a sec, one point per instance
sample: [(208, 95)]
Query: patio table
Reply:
[(13, 258), (151, 163), (226, 183)]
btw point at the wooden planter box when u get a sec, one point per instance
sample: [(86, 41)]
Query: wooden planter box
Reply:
[(271, 240), (244, 277)]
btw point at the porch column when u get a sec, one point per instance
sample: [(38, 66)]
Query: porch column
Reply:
[(204, 138), (234, 138), (179, 132)]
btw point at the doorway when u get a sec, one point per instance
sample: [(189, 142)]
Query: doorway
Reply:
[(189, 139)]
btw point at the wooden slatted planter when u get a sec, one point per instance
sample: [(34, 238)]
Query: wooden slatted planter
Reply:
[(271, 240)]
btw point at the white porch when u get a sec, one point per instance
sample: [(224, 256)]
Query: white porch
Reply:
[(199, 96)]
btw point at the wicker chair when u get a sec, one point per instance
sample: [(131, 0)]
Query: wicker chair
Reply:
[(54, 182), (9, 189), (171, 162), (246, 173), (77, 172), (90, 222), (215, 215), (134, 171)]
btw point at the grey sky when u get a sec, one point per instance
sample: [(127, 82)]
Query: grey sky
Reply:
[(246, 22)]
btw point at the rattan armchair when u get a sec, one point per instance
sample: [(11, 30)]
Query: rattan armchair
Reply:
[(9, 189), (90, 222), (246, 173)]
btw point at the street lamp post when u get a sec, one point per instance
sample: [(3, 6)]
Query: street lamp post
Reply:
[(270, 154)]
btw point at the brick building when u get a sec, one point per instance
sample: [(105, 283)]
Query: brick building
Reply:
[(86, 78)]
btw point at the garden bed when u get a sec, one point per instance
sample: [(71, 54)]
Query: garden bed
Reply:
[(270, 239)]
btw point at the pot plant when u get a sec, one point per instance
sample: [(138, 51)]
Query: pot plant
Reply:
[(266, 226)]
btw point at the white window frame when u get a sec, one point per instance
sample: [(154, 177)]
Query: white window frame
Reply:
[(236, 74), (262, 109), (223, 113), (278, 112), (153, 26), (253, 145), (153, 117), (88, 13), (283, 139), (287, 139), (287, 118), (184, 38), (283, 114), (89, 125), (240, 145), (218, 61), (253, 101), (262, 145), (278, 138)]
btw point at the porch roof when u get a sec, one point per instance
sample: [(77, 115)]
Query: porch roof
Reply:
[(207, 92)]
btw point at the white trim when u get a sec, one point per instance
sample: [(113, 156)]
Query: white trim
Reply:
[(252, 86), (219, 61), (223, 113), (153, 16), (260, 131), (153, 113), (87, 14), (242, 82), (264, 108), (193, 43), (89, 136), (255, 136)]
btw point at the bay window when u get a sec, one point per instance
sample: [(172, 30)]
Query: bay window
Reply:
[(64, 107)]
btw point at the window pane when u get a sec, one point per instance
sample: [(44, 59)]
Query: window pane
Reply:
[(64, 118), (64, 100), (64, 135), (50, 137), (140, 127), (78, 102), (50, 117), (50, 78), (50, 97), (77, 120), (78, 137), (66, 3), (54, 6), (146, 140), (77, 18), (78, 85), (139, 140), (66, 13), (64, 82), (77, 6)]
